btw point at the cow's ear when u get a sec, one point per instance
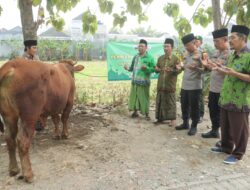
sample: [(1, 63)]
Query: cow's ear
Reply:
[(78, 68)]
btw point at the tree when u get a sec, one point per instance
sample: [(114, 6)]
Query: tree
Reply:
[(30, 26), (205, 15), (216, 14), (145, 32), (1, 9), (202, 15), (115, 30), (54, 7)]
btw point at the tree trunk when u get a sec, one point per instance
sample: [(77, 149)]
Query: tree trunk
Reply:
[(28, 25), (216, 14)]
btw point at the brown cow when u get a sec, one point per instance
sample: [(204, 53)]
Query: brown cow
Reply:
[(27, 90)]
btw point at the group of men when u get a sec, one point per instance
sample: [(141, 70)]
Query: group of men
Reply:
[(229, 93)]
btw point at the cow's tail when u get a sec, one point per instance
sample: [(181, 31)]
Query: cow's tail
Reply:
[(1, 124)]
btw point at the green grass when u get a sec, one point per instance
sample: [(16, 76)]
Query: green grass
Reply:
[(98, 90), (93, 87)]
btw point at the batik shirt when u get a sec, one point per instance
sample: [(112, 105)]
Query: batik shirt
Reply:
[(139, 76), (167, 80), (235, 93)]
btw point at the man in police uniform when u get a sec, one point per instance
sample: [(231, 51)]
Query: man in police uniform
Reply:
[(218, 59), (191, 85)]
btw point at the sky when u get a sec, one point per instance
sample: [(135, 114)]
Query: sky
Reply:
[(158, 20)]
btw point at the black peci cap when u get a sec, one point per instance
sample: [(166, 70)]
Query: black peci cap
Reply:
[(30, 43), (188, 38), (240, 29), (169, 41), (220, 33)]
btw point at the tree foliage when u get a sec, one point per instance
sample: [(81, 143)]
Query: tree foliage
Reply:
[(204, 15), (1, 9), (145, 32), (89, 19), (115, 30), (133, 7)]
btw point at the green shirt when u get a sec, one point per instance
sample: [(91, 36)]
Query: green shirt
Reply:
[(139, 76), (167, 80), (235, 93)]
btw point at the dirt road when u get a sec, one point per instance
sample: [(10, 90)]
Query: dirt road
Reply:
[(108, 150)]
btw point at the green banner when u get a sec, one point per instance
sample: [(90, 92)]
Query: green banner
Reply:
[(122, 53)]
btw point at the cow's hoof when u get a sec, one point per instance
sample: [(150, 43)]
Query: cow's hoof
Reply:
[(56, 137), (20, 177), (28, 179), (14, 172), (65, 136)]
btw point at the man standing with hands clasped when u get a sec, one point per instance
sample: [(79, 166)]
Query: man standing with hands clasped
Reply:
[(219, 59), (142, 66), (235, 97), (168, 67), (191, 85)]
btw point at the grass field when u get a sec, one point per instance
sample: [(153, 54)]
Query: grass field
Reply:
[(93, 87)]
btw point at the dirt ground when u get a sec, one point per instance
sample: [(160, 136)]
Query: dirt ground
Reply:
[(109, 150)]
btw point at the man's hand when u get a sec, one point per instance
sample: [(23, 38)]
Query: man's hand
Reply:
[(143, 67), (125, 67), (168, 69), (191, 66), (179, 67), (225, 70), (157, 69), (204, 62)]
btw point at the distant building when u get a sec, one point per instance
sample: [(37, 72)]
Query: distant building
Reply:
[(52, 34), (14, 33), (12, 42), (77, 32)]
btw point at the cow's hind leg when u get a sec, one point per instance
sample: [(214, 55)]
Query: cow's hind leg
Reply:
[(56, 121), (64, 118), (24, 137), (10, 138)]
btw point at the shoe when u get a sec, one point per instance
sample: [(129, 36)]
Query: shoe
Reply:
[(218, 144), (147, 118), (211, 134), (158, 122), (134, 115), (217, 150), (200, 120), (231, 160), (192, 131), (182, 127)]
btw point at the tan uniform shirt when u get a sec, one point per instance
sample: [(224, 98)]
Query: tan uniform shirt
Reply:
[(29, 57)]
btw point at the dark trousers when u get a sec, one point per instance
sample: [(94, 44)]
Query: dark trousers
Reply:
[(234, 132), (214, 109), (201, 105), (190, 105), (201, 102)]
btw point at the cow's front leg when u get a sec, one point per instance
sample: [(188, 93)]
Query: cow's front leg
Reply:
[(10, 138), (56, 121), (24, 138)]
